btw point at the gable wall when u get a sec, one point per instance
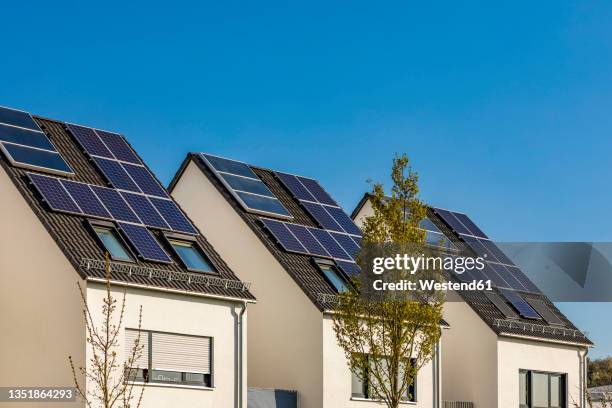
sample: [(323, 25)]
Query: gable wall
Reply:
[(40, 306), (285, 330)]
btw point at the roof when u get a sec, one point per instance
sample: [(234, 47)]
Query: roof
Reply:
[(300, 267), (493, 317), (81, 247)]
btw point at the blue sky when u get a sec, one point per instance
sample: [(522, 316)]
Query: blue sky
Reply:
[(504, 109)]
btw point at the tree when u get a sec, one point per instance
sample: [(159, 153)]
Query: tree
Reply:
[(107, 380), (388, 338)]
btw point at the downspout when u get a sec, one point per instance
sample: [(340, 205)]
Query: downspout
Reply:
[(240, 358), (584, 379), (436, 375)]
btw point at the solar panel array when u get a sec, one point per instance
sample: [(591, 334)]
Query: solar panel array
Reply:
[(319, 204), (502, 272), (117, 161), (26, 145), (246, 187), (131, 211), (300, 239)]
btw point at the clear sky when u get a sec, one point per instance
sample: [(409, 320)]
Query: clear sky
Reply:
[(503, 107)]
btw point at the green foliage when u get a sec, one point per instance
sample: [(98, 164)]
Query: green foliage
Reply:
[(398, 334), (600, 372)]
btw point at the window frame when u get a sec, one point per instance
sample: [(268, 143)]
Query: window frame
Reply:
[(320, 263), (169, 237), (366, 388), (549, 374), (148, 376), (117, 234)]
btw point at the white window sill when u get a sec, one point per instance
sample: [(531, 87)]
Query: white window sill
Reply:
[(170, 385), (379, 401)]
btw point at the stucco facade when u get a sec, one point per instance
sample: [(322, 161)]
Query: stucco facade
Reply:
[(40, 307), (291, 343), (188, 315)]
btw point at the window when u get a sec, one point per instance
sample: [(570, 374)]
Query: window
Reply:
[(541, 390), (112, 243), (191, 256), (332, 275), (170, 358), (361, 388)]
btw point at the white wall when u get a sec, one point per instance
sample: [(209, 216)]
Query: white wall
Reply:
[(285, 329), (40, 307), (183, 314), (518, 354), (469, 358), (337, 377)]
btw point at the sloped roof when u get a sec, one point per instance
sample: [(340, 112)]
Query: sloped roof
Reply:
[(300, 267), (305, 273), (493, 317), (82, 249)]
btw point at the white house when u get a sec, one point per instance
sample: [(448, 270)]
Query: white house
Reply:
[(287, 236), (507, 348), (68, 195)]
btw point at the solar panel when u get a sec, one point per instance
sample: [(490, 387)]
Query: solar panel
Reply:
[(86, 199), (317, 191), (56, 197), (318, 203), (349, 268), (118, 146), (115, 204), (36, 159), (452, 221), (145, 210), (90, 141), (495, 277), (283, 236), (116, 174), (25, 137), (520, 304), (343, 220), (173, 215), (501, 305), (262, 205), (543, 310), (524, 280), (469, 224), (144, 243), (19, 118), (346, 243), (229, 166), (309, 242), (145, 180), (295, 186), (323, 218), (329, 243), (246, 187), (505, 274)]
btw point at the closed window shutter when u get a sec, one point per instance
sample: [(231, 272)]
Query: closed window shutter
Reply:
[(142, 358), (174, 352)]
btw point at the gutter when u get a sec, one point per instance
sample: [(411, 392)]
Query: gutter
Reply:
[(169, 290), (541, 340)]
